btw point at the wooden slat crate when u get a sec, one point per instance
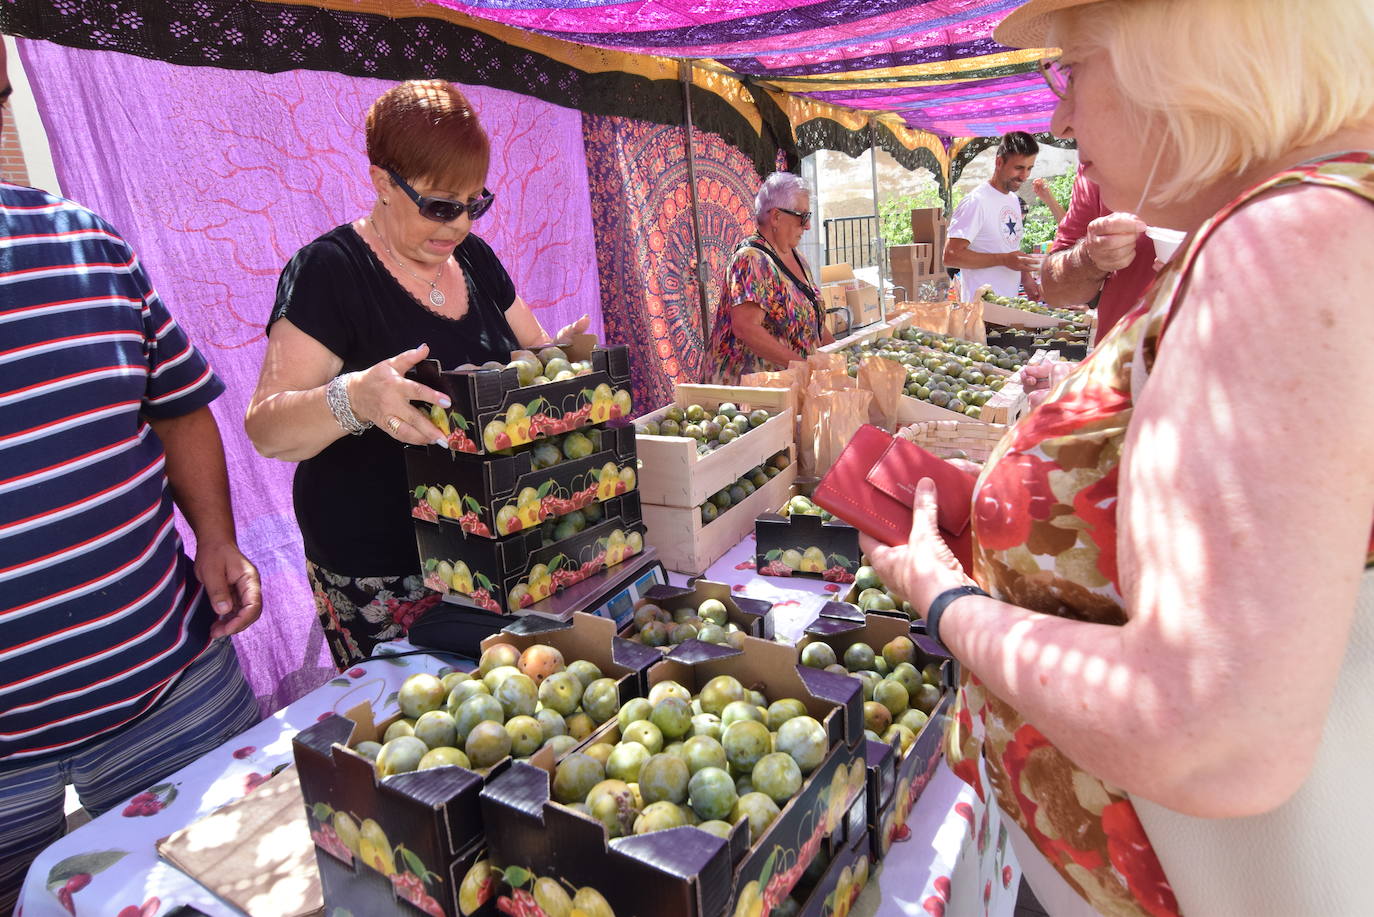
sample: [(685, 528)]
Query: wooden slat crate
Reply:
[(687, 546), (944, 437), (672, 473)]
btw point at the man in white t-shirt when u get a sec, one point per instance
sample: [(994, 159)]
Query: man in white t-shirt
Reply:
[(985, 234)]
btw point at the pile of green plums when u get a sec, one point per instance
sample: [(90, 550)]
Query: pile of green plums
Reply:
[(709, 622), (708, 760), (513, 704), (898, 697)]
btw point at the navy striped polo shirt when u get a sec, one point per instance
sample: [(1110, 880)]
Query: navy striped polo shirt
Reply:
[(99, 606)]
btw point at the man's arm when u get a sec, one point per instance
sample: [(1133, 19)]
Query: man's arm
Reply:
[(199, 480), (1075, 275), (958, 254)]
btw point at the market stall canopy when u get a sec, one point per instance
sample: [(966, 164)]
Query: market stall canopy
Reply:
[(932, 62)]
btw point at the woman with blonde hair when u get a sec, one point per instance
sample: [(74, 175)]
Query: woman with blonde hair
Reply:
[(1166, 678)]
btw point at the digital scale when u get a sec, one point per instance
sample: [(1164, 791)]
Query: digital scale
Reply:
[(459, 628)]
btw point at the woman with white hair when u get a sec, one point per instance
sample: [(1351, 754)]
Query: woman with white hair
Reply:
[(1168, 677), (770, 309)]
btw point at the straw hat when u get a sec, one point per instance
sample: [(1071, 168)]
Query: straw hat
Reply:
[(1028, 25)]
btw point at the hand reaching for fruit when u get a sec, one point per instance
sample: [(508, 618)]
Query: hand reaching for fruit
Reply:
[(382, 394), (565, 334)]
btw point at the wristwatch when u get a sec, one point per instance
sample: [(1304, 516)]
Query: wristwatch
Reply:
[(942, 601)]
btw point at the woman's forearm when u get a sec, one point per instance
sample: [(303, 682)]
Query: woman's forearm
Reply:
[(1116, 701), (291, 425)]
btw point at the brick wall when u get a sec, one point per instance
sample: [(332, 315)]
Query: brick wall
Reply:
[(11, 159)]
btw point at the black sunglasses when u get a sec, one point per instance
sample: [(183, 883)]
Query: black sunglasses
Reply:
[(803, 215), (441, 209)]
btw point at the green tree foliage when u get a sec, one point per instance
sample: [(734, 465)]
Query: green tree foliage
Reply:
[(895, 213)]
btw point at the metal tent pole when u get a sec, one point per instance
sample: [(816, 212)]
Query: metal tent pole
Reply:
[(877, 219), (685, 74)]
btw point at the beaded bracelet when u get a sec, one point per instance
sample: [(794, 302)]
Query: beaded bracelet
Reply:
[(336, 396)]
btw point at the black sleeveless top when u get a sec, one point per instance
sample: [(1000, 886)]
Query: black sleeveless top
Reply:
[(351, 499)]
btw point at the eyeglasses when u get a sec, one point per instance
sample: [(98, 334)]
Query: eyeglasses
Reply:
[(803, 215), (1059, 76), (441, 209)]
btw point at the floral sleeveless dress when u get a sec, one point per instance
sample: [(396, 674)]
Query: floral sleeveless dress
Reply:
[(1045, 539)]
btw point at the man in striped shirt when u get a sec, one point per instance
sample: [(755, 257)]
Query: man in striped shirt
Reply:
[(113, 672)]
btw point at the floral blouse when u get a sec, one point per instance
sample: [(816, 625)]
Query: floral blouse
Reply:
[(787, 315), (1045, 539)]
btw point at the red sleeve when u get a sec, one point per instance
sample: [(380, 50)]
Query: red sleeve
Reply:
[(1084, 206)]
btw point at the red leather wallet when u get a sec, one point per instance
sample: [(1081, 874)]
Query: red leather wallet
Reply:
[(872, 486)]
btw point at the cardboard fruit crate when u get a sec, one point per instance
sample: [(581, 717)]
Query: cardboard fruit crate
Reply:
[(514, 572), (355, 888), (483, 495), (842, 882), (491, 411), (409, 832), (804, 545), (686, 545), (754, 617), (687, 872), (895, 779), (672, 473)]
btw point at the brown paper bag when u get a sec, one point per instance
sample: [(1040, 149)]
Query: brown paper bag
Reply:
[(970, 322), (931, 316), (256, 853), (886, 379), (841, 413), (784, 378), (820, 362)]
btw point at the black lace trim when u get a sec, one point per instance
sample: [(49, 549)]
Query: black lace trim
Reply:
[(274, 37)]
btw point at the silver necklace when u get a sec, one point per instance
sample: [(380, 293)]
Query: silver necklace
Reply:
[(436, 295)]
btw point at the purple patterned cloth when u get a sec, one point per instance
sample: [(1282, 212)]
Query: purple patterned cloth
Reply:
[(216, 178), (867, 49)]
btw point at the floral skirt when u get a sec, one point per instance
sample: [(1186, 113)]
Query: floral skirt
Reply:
[(359, 612)]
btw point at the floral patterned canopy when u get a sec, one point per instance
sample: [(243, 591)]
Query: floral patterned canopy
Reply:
[(933, 62)]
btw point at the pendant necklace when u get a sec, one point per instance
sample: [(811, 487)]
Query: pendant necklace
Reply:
[(436, 295)]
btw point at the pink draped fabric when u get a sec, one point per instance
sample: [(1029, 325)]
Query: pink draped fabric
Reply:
[(217, 177)]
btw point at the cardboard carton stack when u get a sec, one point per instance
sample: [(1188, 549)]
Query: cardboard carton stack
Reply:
[(923, 260)]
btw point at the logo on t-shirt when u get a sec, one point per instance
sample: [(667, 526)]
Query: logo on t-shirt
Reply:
[(1010, 222)]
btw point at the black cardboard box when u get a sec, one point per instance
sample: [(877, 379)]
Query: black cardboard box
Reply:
[(804, 545), (895, 780), (844, 879), (511, 573), (498, 495), (685, 872), (406, 832), (359, 890), (491, 411)]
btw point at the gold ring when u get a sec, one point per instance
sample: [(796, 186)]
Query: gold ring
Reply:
[(394, 424)]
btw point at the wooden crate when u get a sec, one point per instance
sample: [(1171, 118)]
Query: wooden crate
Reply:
[(1005, 407), (687, 546), (995, 314), (673, 474), (943, 437), (885, 329)]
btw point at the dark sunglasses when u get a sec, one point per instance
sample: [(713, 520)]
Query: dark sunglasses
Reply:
[(1058, 76), (803, 215), (441, 209)]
